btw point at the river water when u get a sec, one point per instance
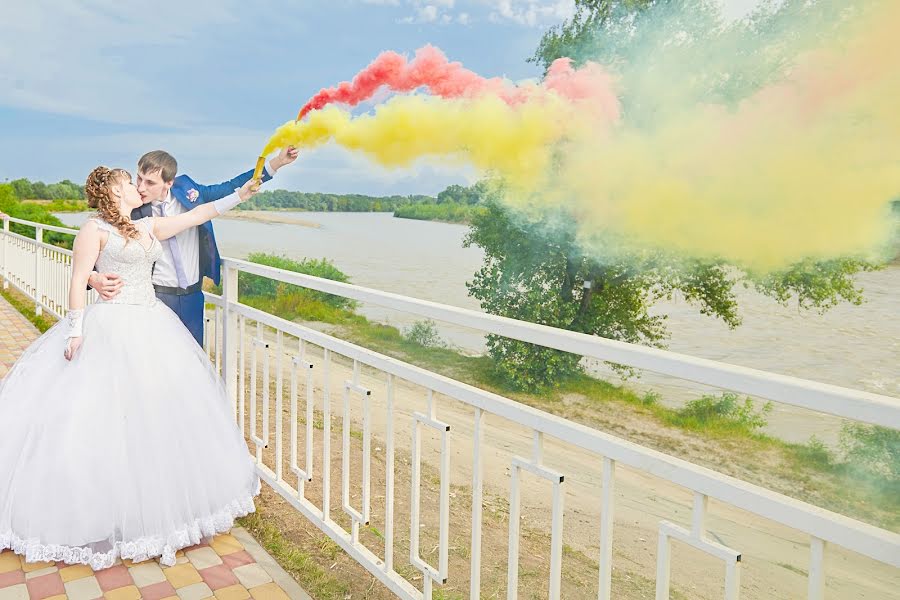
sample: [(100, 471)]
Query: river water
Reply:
[(851, 346)]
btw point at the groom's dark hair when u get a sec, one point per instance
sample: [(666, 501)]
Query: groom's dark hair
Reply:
[(159, 161)]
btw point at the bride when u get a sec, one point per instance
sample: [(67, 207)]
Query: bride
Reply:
[(155, 461)]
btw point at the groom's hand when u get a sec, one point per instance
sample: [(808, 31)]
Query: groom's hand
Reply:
[(107, 285), (285, 157)]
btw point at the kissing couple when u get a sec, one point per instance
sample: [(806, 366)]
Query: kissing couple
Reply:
[(119, 441)]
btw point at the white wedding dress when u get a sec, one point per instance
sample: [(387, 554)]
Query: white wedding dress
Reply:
[(131, 449)]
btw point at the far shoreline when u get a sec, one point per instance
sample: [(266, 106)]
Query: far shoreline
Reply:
[(266, 216)]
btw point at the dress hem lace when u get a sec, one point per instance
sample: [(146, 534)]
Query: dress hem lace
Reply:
[(137, 550)]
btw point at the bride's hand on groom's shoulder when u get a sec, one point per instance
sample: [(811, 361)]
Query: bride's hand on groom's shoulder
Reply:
[(72, 346), (249, 189)]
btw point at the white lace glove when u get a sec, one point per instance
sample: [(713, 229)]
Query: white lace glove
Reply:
[(223, 205), (75, 319)]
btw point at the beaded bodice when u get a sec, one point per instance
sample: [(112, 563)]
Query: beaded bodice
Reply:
[(131, 261)]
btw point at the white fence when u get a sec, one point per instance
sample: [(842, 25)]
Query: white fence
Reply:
[(433, 444)]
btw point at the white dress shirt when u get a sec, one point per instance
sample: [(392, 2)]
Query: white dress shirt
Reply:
[(188, 244)]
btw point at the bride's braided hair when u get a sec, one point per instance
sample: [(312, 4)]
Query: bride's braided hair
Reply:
[(97, 189)]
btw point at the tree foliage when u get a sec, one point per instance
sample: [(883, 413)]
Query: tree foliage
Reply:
[(38, 190), (320, 202), (10, 205)]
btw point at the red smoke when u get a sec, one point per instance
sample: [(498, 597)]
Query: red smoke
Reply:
[(431, 69)]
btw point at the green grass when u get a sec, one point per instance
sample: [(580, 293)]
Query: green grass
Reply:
[(318, 582), (300, 305), (25, 305)]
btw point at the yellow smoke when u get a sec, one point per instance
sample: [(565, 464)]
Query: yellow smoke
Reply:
[(515, 143), (805, 168)]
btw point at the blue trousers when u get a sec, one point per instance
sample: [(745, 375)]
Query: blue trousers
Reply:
[(189, 309)]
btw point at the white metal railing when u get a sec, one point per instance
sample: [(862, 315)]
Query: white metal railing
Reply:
[(39, 270), (319, 378)]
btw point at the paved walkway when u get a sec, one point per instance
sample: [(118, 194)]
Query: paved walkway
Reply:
[(16, 333), (231, 567)]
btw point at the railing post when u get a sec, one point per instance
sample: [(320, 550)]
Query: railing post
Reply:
[(38, 255), (230, 333), (4, 268)]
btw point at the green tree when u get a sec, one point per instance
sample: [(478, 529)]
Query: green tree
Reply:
[(577, 37), (10, 205), (22, 188), (536, 270)]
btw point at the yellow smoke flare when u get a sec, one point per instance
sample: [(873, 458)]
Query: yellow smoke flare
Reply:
[(260, 164)]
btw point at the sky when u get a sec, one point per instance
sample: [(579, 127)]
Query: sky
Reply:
[(88, 82)]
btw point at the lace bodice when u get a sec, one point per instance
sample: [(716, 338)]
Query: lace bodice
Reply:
[(131, 261)]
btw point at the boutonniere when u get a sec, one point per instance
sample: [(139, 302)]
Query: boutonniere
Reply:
[(192, 195)]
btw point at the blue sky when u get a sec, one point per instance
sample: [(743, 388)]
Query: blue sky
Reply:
[(88, 82)]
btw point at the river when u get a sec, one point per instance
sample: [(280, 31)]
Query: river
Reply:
[(851, 346)]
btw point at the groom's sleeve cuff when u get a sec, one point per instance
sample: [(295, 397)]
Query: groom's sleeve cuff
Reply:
[(269, 170)]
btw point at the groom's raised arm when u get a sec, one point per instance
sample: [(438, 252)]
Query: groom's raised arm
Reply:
[(210, 193)]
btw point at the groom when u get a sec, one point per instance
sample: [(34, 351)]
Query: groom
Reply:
[(190, 255)]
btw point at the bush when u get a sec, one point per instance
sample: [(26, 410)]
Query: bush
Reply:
[(873, 449), (815, 453), (259, 286), (651, 398), (424, 333), (726, 409), (530, 367)]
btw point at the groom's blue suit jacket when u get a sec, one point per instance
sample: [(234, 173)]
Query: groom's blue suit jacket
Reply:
[(182, 188)]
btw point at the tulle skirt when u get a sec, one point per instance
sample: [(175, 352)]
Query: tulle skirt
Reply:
[(128, 451)]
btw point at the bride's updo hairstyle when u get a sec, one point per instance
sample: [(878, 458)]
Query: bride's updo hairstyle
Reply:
[(98, 190)]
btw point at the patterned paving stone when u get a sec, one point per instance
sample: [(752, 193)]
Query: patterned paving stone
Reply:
[(205, 574)]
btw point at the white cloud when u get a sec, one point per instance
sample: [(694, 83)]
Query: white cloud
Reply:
[(532, 13), (66, 56), (427, 11), (430, 11)]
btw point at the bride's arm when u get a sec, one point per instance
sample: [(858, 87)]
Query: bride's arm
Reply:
[(166, 227), (85, 251)]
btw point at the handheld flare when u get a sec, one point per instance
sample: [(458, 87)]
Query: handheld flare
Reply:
[(257, 172)]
